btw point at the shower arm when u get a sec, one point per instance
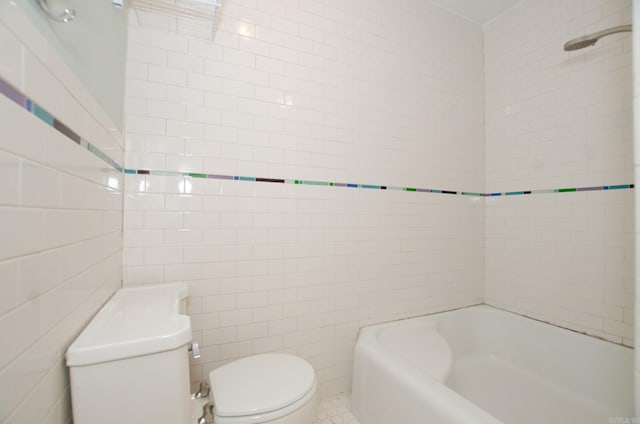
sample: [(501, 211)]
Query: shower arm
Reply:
[(614, 30), (67, 16)]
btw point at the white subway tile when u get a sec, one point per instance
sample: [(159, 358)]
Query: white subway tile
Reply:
[(164, 75), (22, 231), (184, 95), (9, 179), (24, 135), (9, 277), (235, 350), (184, 129), (146, 54), (11, 61)]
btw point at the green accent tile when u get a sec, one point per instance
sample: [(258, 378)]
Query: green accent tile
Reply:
[(567, 190), (42, 114), (467, 193), (409, 189), (197, 175), (296, 181)]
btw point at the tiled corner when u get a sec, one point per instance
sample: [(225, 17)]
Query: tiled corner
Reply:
[(61, 205)]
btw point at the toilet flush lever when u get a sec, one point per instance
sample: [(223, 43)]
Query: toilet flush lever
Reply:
[(195, 350)]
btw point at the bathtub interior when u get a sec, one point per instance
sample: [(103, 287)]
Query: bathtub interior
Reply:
[(515, 368), (507, 364)]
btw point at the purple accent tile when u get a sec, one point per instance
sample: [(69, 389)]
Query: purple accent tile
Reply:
[(220, 177), (423, 190), (12, 93), (339, 185), (66, 131)]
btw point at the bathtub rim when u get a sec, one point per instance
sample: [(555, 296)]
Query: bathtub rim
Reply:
[(487, 306)]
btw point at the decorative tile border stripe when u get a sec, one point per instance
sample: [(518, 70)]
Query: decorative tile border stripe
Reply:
[(563, 190), (370, 186), (23, 101), (45, 116)]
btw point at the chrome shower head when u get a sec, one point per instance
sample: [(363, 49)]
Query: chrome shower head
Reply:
[(591, 39)]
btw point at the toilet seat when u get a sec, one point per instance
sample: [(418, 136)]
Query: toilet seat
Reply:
[(261, 388)]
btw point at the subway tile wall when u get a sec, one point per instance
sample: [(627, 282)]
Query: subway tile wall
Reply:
[(61, 225), (351, 92), (560, 119)]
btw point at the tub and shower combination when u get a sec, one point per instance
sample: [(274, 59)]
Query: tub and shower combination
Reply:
[(484, 365)]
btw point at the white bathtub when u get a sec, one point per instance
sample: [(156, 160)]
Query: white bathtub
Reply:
[(485, 365)]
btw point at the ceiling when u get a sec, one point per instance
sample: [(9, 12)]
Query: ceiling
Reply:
[(479, 11)]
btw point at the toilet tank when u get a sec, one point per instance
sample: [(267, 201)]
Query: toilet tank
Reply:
[(131, 363)]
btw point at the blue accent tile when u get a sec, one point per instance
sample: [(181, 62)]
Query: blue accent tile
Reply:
[(42, 114), (617, 187)]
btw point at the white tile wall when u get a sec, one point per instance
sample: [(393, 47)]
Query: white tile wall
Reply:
[(60, 226), (560, 119), (354, 91), (363, 92)]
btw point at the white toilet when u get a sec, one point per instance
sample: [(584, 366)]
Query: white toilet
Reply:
[(130, 365)]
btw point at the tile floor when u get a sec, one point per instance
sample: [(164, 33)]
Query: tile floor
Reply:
[(335, 410)]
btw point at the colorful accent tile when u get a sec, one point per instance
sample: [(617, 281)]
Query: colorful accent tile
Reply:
[(220, 177), (19, 98), (618, 187), (314, 183), (43, 115), (591, 188), (269, 180), (14, 95), (66, 131)]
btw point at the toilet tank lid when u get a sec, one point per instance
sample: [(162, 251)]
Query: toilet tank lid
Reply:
[(134, 322), (260, 384)]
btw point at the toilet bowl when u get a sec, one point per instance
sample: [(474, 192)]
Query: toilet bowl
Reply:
[(268, 388), (131, 365)]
